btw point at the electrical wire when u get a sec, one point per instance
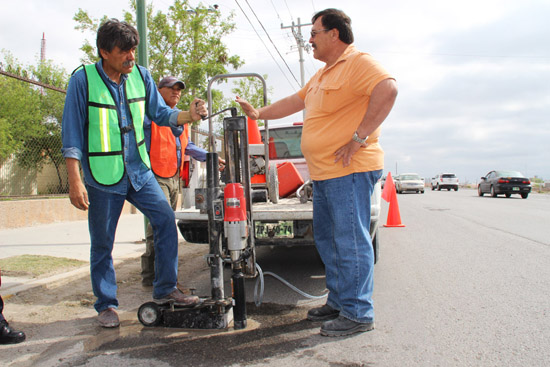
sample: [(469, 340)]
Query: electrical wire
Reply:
[(276, 49), (276, 12), (270, 54), (289, 12), (258, 298)]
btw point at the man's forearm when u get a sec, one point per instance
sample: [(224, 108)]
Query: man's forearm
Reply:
[(380, 104), (73, 170), (184, 117), (282, 108)]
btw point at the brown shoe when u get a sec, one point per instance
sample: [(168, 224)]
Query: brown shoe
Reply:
[(179, 298), (108, 318)]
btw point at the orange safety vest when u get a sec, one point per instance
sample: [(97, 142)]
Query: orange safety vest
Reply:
[(163, 152)]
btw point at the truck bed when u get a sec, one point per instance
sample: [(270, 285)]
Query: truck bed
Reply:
[(285, 209)]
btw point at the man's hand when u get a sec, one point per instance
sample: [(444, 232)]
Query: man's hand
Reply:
[(221, 164), (77, 191), (79, 195), (347, 151), (250, 111), (198, 109)]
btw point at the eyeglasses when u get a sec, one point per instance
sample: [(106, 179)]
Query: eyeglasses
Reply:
[(314, 33)]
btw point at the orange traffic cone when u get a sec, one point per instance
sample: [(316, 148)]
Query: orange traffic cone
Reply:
[(394, 219), (254, 136), (272, 149), (388, 194)]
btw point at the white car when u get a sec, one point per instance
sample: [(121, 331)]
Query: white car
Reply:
[(445, 181), (409, 182)]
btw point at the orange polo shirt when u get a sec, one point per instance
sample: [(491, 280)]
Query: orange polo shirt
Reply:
[(336, 100)]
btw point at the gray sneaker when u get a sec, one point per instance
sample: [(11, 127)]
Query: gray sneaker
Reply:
[(108, 318), (322, 313), (342, 326)]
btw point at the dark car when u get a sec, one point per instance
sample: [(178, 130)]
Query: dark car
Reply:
[(504, 182)]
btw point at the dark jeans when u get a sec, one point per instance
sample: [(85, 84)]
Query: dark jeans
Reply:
[(103, 215), (1, 309)]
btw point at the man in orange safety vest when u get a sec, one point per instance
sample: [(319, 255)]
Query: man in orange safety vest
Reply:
[(169, 151)]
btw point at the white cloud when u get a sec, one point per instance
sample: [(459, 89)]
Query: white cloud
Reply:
[(473, 75)]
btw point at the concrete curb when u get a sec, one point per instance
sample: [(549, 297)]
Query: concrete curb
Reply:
[(24, 284)]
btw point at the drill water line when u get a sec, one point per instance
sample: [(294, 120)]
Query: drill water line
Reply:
[(260, 282)]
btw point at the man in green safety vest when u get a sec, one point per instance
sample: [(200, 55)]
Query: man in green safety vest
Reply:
[(102, 132)]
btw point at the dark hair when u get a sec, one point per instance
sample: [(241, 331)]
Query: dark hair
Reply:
[(115, 33), (334, 18)]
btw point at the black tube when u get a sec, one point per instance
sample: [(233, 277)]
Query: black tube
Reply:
[(214, 227), (239, 310)]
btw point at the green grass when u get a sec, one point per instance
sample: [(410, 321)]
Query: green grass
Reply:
[(36, 266)]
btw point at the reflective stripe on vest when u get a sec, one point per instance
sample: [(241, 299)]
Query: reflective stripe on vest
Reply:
[(105, 144), (163, 150)]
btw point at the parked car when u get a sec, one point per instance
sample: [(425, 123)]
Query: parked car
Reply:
[(445, 181), (409, 182), (504, 182)]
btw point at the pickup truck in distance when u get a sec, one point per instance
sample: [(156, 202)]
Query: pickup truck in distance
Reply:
[(289, 220)]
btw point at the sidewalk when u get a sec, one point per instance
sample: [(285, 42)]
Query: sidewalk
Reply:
[(66, 239)]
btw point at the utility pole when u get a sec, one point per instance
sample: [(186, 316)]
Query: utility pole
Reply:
[(297, 33), (141, 17)]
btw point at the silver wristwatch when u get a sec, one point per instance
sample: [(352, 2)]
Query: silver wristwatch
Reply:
[(359, 140)]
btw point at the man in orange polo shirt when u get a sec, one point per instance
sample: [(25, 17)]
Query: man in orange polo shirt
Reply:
[(346, 102)]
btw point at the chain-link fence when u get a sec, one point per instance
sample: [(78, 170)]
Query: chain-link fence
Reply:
[(34, 165), (18, 180)]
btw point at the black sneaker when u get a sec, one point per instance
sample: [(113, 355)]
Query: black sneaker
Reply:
[(342, 326), (323, 313), (8, 335)]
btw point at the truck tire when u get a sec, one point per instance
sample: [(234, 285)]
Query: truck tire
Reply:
[(273, 186), (376, 245)]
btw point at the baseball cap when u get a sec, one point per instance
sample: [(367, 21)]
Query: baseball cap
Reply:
[(170, 81)]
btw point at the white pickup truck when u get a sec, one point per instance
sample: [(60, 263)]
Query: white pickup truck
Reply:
[(289, 221)]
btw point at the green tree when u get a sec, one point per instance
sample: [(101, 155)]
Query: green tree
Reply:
[(30, 116), (184, 42), (46, 143), (252, 90), (19, 108)]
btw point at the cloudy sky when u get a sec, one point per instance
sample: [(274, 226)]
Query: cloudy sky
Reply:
[(473, 75)]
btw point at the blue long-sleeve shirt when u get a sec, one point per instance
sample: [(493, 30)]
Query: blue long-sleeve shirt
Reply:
[(75, 134), (191, 149)]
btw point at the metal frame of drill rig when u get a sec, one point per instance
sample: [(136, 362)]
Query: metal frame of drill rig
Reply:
[(229, 229)]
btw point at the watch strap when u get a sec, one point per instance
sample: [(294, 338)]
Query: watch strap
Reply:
[(359, 140)]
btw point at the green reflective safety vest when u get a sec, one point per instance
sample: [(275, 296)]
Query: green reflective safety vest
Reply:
[(105, 144)]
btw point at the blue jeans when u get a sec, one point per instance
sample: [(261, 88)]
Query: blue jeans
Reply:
[(103, 214), (341, 228)]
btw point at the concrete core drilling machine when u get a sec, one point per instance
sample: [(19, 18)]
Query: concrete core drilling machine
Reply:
[(229, 226)]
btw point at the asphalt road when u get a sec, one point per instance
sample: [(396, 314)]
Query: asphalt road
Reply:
[(466, 282)]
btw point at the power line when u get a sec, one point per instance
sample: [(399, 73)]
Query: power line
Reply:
[(276, 49), (313, 6), (269, 52), (24, 79), (289, 12), (276, 12)]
